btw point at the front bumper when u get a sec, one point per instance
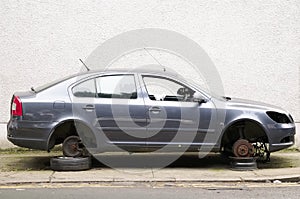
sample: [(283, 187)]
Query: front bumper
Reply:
[(281, 136)]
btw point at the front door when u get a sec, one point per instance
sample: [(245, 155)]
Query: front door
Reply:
[(175, 121)]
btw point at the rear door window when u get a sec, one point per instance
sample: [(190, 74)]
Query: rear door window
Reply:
[(85, 89), (116, 86)]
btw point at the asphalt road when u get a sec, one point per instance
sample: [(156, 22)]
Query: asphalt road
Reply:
[(118, 192)]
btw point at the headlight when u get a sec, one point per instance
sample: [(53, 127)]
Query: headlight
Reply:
[(279, 117)]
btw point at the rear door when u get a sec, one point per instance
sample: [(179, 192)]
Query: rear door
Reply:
[(120, 110)]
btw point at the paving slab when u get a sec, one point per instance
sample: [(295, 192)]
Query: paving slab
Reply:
[(17, 177)]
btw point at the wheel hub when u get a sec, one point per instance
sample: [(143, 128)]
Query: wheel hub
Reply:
[(242, 148), (71, 147)]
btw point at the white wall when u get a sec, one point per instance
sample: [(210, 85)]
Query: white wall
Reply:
[(255, 45)]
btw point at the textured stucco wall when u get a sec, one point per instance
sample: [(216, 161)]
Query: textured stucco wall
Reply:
[(255, 45)]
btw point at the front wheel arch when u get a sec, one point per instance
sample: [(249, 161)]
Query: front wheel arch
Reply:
[(253, 131)]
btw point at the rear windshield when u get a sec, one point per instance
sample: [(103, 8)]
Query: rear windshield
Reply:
[(50, 84)]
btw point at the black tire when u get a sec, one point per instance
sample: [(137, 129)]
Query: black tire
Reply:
[(70, 164)]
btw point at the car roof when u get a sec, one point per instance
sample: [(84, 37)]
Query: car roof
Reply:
[(149, 69)]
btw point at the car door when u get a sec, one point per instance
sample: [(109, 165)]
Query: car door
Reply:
[(120, 110), (174, 119)]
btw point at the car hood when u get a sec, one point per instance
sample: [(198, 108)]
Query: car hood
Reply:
[(243, 103)]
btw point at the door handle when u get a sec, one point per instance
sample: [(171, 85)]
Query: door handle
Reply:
[(155, 109), (89, 107)]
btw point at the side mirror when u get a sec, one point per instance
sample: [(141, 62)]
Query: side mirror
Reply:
[(198, 97)]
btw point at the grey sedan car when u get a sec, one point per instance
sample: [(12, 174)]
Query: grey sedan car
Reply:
[(143, 111)]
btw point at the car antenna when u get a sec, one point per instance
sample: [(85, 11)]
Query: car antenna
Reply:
[(164, 68), (87, 68)]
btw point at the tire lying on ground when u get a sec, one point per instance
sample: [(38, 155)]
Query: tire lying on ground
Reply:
[(70, 163)]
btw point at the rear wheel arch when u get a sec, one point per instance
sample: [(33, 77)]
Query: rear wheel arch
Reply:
[(68, 128)]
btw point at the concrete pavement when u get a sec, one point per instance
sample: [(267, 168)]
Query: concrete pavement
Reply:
[(34, 168)]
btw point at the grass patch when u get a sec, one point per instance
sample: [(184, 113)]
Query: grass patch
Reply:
[(21, 150), (16, 150)]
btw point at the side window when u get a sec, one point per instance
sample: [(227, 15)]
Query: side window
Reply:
[(116, 86), (85, 89), (163, 89)]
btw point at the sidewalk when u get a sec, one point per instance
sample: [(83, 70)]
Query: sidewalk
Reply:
[(34, 168)]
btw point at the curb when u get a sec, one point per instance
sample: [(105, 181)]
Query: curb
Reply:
[(274, 179)]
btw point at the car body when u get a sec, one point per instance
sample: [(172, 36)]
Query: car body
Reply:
[(142, 111)]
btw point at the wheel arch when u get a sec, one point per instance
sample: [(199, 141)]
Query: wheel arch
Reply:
[(249, 123), (62, 130)]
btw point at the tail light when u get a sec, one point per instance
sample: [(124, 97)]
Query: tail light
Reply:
[(16, 107)]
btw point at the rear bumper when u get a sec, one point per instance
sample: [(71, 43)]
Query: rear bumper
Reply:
[(33, 135), (281, 136), (29, 143)]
